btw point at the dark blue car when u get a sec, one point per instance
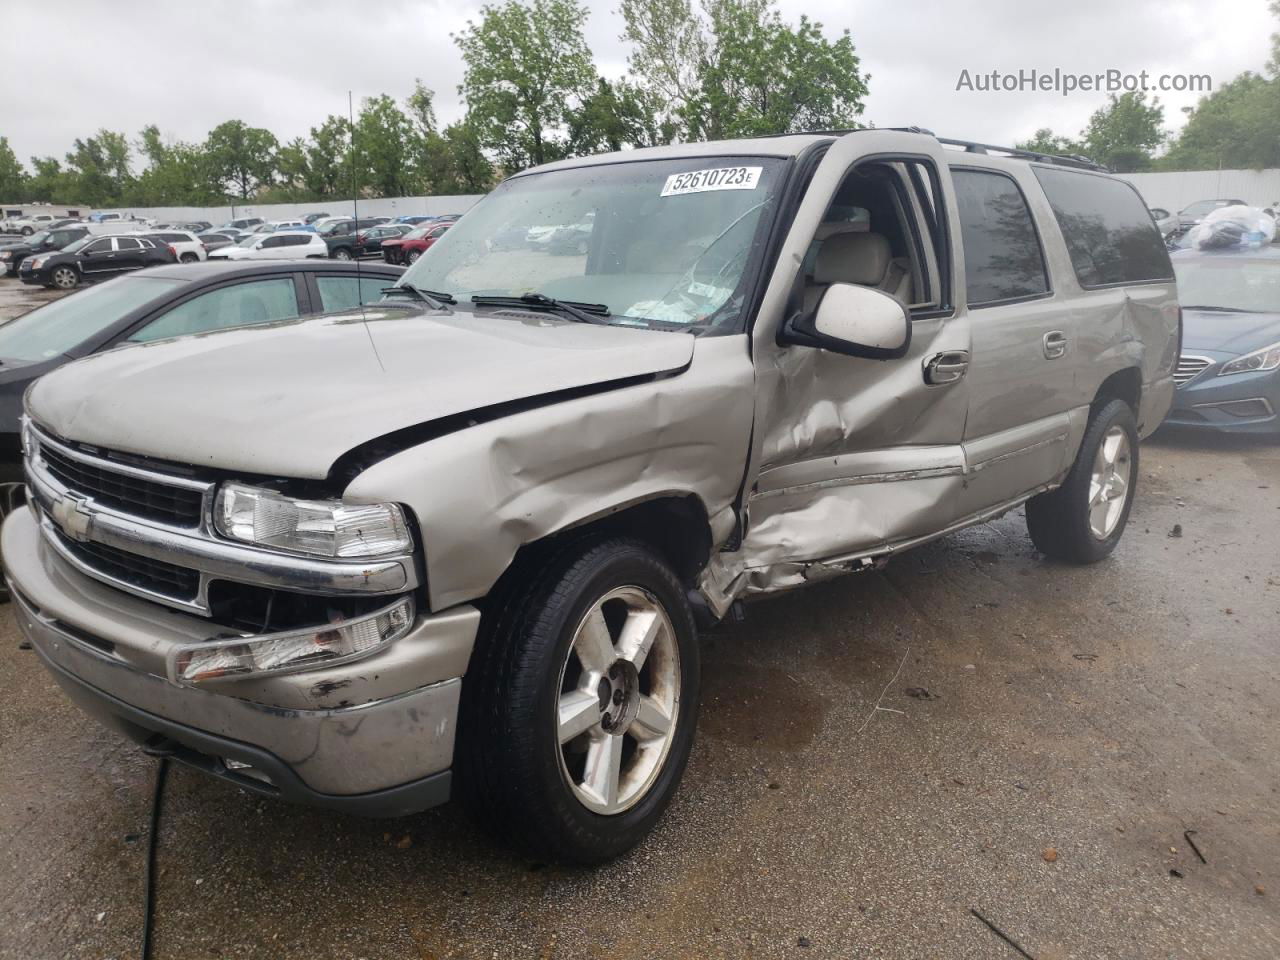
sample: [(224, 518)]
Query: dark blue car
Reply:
[(1229, 373)]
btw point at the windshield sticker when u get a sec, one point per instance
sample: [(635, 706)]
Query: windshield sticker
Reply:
[(717, 178)]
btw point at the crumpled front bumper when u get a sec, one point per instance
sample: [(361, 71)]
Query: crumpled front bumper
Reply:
[(373, 737)]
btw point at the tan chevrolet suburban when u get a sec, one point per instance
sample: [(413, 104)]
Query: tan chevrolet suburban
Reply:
[(460, 542)]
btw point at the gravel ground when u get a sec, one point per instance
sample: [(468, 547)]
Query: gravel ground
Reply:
[(972, 728)]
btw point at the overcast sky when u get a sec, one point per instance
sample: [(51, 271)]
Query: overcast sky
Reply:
[(77, 65)]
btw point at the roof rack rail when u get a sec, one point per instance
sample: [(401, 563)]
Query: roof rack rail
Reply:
[(970, 146), (1067, 160)]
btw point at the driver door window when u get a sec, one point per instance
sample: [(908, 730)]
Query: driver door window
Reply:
[(259, 301)]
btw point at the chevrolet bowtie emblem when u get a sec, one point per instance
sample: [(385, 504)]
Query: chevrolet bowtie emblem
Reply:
[(72, 515)]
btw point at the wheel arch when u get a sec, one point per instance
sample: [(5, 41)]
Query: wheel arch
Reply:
[(1125, 384), (675, 525)]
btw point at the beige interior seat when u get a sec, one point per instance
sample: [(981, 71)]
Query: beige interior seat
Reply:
[(861, 258)]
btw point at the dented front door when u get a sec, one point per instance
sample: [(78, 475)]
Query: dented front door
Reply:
[(850, 456)]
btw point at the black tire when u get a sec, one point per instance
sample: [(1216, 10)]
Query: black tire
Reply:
[(27, 231), (64, 277), (12, 496), (413, 256), (342, 253), (509, 759), (188, 258), (1058, 521)]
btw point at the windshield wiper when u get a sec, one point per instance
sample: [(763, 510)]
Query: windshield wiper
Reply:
[(432, 298), (582, 312), (1201, 306)]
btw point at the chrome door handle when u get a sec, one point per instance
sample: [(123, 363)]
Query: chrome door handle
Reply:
[(1055, 344), (946, 367)]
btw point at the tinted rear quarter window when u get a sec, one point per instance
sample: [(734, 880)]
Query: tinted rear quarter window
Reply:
[(1108, 230), (1002, 256)]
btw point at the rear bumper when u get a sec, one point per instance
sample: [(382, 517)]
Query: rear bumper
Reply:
[(374, 737)]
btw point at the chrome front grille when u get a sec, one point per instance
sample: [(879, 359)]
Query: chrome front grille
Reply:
[(143, 573), (1189, 367), (147, 531), (131, 493)]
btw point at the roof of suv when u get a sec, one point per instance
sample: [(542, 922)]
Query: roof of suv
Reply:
[(794, 144)]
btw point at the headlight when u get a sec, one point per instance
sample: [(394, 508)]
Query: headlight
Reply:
[(6, 254), (38, 262), (309, 649), (1268, 358), (326, 528)]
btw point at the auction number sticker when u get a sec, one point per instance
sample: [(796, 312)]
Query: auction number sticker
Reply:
[(717, 178)]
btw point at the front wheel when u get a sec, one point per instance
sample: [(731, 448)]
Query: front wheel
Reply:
[(64, 278), (580, 704), (413, 256), (1083, 520), (342, 253)]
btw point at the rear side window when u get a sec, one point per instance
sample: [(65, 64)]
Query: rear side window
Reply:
[(1002, 256), (1108, 230), (128, 243), (257, 301), (294, 240), (344, 293)]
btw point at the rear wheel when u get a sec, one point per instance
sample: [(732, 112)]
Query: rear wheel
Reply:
[(188, 258), (1083, 520), (580, 704), (64, 278)]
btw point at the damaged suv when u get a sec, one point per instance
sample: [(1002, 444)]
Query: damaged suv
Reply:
[(460, 542)]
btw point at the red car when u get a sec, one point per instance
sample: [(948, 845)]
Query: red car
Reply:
[(412, 245)]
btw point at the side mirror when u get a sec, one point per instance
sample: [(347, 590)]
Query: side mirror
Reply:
[(855, 321)]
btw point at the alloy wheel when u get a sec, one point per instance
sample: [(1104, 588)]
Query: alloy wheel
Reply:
[(619, 698), (1109, 482), (64, 278)]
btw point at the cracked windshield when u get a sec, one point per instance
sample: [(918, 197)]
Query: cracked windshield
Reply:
[(640, 243)]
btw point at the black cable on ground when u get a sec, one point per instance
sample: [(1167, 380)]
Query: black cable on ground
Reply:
[(149, 880)]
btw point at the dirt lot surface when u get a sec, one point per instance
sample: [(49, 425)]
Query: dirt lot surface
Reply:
[(972, 728)]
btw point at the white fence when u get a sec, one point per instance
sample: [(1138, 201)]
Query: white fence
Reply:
[(1173, 191), (383, 207)]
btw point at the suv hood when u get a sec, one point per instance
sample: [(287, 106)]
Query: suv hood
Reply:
[(1235, 333), (288, 398)]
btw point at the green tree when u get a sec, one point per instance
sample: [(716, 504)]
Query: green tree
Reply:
[(1125, 133), (734, 68), (1236, 126), (174, 175), (527, 67), (455, 162), (669, 48), (240, 159), (614, 116), (1274, 63), (13, 179), (384, 146), (98, 168), (328, 172), (49, 182), (1045, 140), (292, 175)]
